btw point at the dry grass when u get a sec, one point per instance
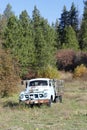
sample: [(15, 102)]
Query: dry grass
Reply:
[(69, 115)]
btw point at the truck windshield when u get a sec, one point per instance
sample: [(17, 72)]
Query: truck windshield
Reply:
[(38, 83)]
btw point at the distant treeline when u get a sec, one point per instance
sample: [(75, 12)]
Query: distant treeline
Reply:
[(34, 44)]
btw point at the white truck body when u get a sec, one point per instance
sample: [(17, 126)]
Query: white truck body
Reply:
[(38, 91)]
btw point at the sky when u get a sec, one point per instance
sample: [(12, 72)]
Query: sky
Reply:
[(49, 9)]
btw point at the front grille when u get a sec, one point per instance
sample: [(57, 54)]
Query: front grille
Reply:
[(36, 96), (41, 95), (26, 96), (31, 96)]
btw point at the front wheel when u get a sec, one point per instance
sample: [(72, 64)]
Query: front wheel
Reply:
[(56, 99)]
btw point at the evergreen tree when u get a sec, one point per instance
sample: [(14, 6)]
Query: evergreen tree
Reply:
[(83, 36), (73, 16), (64, 21), (70, 40), (11, 33), (8, 12), (85, 10), (68, 18), (83, 30), (58, 43), (5, 17), (38, 37), (39, 40), (43, 40), (40, 48), (50, 39), (26, 50), (18, 35), (36, 18), (2, 25)]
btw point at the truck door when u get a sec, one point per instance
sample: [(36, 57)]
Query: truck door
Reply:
[(51, 89)]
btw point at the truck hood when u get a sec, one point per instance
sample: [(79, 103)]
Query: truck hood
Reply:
[(38, 88)]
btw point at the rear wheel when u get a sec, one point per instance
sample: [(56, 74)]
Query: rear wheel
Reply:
[(60, 98), (49, 103)]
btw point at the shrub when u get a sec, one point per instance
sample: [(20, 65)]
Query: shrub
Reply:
[(65, 59), (80, 71), (49, 72), (81, 58), (84, 58), (8, 74)]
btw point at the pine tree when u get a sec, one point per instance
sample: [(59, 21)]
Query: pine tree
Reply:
[(18, 35), (50, 38), (85, 10), (27, 42), (43, 39), (73, 16), (83, 30), (68, 18), (2, 25), (26, 48), (64, 21), (70, 40), (58, 43), (11, 33), (8, 12)]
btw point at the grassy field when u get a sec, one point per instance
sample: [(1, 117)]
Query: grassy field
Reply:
[(69, 115)]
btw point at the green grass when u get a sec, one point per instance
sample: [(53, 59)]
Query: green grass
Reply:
[(69, 115)]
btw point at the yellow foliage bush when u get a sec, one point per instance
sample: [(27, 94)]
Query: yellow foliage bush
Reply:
[(49, 72), (80, 71)]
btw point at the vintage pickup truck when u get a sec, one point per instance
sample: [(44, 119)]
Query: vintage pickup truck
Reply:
[(42, 90)]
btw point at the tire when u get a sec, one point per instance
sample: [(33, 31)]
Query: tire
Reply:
[(60, 98), (22, 104), (39, 105), (56, 99), (31, 105)]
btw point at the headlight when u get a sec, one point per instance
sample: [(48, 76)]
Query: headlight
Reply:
[(45, 95), (21, 96)]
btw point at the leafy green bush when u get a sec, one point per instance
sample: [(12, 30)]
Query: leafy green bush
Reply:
[(80, 71)]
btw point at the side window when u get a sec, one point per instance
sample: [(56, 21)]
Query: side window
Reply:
[(49, 82), (26, 84)]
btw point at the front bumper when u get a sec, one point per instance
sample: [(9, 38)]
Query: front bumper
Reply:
[(39, 101)]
